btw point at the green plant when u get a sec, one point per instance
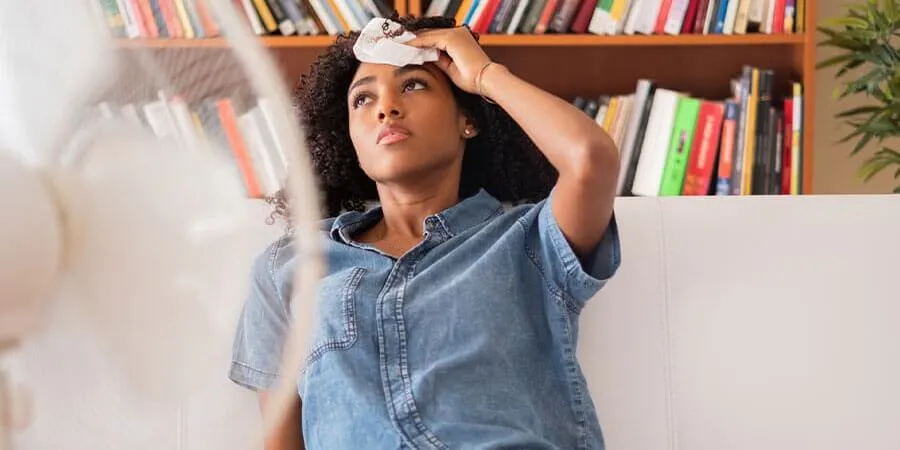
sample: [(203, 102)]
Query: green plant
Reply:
[(866, 38)]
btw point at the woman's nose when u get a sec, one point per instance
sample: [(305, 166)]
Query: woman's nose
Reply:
[(389, 107)]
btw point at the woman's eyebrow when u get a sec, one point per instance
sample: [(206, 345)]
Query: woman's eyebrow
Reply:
[(361, 81), (397, 72)]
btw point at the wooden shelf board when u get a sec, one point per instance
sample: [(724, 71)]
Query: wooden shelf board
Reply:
[(569, 40), (267, 41), (518, 40)]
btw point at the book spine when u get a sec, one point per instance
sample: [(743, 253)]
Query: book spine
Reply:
[(727, 148)]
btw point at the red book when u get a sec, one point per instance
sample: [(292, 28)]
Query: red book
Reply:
[(662, 16), (703, 152), (229, 118), (487, 16), (778, 18), (583, 16), (546, 15), (170, 17), (687, 25)]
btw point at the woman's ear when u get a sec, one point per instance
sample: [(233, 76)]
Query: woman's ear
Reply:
[(468, 129)]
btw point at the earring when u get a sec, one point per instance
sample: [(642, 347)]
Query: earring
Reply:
[(467, 131)]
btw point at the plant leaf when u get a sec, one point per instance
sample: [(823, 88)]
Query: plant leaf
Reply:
[(876, 163), (890, 10), (851, 65), (859, 110), (858, 131), (861, 143), (834, 60), (845, 21)]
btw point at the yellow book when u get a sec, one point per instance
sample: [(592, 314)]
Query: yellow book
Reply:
[(265, 15), (185, 20), (750, 135), (462, 11), (618, 10), (796, 126), (198, 125), (611, 113), (344, 24)]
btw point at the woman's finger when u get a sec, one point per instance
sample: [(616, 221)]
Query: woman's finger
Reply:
[(444, 62), (429, 39)]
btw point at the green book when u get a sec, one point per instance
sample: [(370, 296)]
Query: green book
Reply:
[(680, 143)]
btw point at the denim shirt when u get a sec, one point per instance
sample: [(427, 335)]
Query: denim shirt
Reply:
[(466, 341)]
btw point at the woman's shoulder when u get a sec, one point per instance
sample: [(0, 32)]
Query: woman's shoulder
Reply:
[(516, 213), (279, 256)]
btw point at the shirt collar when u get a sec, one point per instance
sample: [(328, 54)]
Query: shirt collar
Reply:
[(467, 213)]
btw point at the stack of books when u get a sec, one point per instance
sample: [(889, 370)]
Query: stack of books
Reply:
[(188, 19), (243, 135), (608, 17), (672, 143)]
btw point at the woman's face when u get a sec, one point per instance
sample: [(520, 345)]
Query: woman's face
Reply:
[(404, 122)]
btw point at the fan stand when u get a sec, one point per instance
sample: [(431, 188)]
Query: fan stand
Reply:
[(7, 408)]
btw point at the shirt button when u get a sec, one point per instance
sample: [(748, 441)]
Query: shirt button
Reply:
[(430, 224)]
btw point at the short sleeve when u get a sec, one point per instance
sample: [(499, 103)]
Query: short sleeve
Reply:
[(579, 279), (261, 328)]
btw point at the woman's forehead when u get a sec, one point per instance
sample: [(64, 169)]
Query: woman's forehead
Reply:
[(387, 71)]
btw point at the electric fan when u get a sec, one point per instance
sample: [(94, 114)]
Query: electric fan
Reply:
[(126, 179)]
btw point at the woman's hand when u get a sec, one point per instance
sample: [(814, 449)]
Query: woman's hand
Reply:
[(461, 57)]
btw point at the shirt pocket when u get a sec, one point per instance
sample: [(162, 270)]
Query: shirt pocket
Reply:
[(336, 324)]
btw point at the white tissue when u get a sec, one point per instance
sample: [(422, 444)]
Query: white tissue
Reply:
[(382, 42)]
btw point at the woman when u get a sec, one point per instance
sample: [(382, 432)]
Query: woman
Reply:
[(446, 321)]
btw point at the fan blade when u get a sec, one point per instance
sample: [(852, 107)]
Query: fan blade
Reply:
[(48, 76), (160, 258), (31, 247)]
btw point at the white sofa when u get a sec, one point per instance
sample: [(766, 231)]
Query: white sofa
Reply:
[(735, 323), (750, 323)]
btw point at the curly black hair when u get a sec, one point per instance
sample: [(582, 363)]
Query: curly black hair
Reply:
[(501, 159)]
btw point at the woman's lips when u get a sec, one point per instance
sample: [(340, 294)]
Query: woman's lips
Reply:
[(392, 134)]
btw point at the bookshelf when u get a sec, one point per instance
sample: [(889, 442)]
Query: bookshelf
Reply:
[(590, 65), (702, 65)]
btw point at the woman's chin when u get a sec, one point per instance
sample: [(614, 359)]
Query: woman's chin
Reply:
[(402, 173)]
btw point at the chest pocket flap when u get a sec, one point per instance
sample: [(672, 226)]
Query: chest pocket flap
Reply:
[(336, 324)]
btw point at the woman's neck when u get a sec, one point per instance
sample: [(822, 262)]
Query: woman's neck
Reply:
[(405, 210)]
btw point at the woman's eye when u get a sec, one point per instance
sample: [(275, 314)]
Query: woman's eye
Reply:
[(360, 100), (413, 85)]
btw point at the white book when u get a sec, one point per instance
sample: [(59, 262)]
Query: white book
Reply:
[(160, 119), (345, 10), (331, 27), (625, 106), (652, 162), (130, 18), (730, 16), (647, 21), (675, 19), (187, 131), (255, 22), (633, 17), (437, 7), (265, 108), (601, 114), (259, 154), (601, 20)]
